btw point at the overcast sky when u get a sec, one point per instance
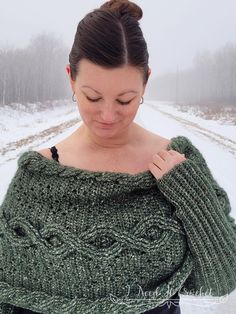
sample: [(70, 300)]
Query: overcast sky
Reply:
[(175, 30)]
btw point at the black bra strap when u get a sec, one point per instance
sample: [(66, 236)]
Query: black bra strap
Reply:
[(55, 155)]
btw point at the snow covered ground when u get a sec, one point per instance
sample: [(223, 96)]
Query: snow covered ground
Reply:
[(21, 130)]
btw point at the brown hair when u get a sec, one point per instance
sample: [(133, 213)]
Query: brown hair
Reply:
[(110, 36)]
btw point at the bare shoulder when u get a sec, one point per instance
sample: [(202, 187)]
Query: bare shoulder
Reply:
[(45, 152), (158, 141), (165, 142), (150, 138)]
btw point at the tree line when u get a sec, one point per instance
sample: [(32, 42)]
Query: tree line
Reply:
[(35, 73), (211, 79)]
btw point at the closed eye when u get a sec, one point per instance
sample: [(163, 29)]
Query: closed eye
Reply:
[(121, 102)]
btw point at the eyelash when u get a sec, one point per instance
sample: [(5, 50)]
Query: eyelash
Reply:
[(121, 102)]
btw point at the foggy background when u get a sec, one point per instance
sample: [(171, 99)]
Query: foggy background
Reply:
[(191, 46)]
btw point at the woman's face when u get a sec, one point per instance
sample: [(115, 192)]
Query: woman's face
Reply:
[(110, 96)]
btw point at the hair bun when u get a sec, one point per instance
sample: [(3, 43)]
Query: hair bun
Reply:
[(124, 7)]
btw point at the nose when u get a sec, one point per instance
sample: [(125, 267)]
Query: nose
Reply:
[(108, 114)]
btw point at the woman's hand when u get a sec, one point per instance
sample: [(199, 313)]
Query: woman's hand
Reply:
[(164, 161)]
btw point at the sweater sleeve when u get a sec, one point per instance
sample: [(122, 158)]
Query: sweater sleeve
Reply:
[(203, 207), (6, 308)]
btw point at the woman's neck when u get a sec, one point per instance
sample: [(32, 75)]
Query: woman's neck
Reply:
[(127, 139)]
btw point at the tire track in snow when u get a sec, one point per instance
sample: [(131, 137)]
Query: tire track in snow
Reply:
[(219, 139), (44, 136)]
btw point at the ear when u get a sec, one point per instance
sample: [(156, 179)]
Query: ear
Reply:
[(68, 69), (149, 72), (69, 74)]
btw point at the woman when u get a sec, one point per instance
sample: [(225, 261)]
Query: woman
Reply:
[(114, 218)]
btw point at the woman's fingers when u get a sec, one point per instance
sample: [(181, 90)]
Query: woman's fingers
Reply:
[(164, 161)]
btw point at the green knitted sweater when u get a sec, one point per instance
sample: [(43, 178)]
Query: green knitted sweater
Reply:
[(79, 241)]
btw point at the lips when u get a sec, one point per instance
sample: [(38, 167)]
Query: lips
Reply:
[(106, 124)]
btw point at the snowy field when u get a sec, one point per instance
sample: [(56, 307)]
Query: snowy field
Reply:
[(21, 130)]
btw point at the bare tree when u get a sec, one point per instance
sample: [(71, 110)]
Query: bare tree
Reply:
[(212, 79), (36, 73)]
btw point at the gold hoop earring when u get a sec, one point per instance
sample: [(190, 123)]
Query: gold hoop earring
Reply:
[(142, 100), (74, 100)]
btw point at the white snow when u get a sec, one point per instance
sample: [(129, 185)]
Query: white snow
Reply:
[(21, 130)]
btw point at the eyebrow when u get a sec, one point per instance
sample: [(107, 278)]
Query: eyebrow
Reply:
[(124, 92)]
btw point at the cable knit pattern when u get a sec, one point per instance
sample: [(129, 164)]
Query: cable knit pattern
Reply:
[(80, 241)]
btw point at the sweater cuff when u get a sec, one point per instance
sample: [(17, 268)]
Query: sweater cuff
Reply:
[(211, 235)]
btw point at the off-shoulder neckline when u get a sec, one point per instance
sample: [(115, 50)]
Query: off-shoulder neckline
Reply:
[(56, 168)]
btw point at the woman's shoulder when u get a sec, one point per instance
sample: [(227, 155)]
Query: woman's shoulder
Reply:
[(63, 147), (45, 152), (157, 141)]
